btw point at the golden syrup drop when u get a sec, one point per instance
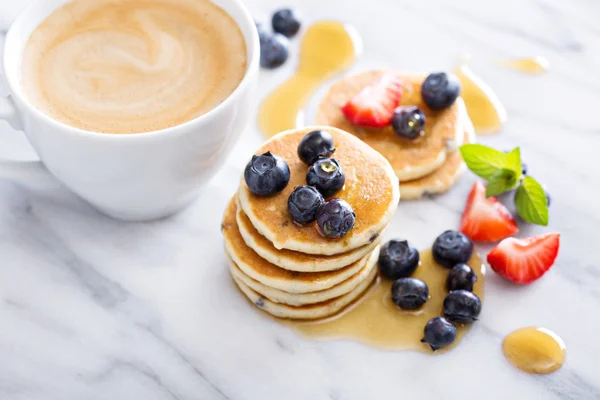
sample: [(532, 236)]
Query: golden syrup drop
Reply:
[(483, 105), (327, 48), (530, 65), (535, 350), (375, 320)]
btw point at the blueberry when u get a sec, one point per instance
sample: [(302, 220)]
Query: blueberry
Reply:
[(327, 176), (548, 198), (461, 277), (398, 259), (451, 248), (303, 204), (462, 306), (266, 174), (335, 218), (409, 293), (262, 32), (274, 51), (408, 122), (286, 21), (438, 333), (440, 90), (314, 145)]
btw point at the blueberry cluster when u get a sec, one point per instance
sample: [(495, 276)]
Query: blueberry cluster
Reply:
[(325, 177), (268, 174), (274, 46), (439, 90), (398, 260)]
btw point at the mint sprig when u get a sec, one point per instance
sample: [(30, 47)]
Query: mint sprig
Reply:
[(503, 181), (531, 202), (503, 172), (482, 160)]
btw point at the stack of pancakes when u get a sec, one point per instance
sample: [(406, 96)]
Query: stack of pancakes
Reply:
[(430, 164), (291, 271)]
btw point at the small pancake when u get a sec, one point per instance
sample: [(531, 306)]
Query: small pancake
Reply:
[(410, 159), (371, 189), (310, 311), (293, 260), (300, 299), (443, 178), (271, 275)]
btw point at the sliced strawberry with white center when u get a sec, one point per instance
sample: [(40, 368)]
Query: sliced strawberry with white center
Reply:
[(486, 219), (524, 260), (374, 105)]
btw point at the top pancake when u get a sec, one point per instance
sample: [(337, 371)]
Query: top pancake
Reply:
[(410, 159), (371, 189)]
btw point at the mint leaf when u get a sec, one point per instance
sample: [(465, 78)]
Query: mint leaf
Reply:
[(501, 182), (513, 162), (531, 202), (482, 160)]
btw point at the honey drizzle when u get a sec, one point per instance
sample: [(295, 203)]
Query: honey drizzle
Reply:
[(534, 350), (376, 321), (327, 49), (483, 105), (529, 65)]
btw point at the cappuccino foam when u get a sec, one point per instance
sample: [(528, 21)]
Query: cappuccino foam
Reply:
[(132, 66)]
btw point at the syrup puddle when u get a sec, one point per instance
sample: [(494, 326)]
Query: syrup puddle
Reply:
[(483, 105), (530, 65), (535, 350), (375, 320), (327, 49)]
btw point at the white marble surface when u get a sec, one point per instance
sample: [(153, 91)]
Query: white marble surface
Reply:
[(91, 308)]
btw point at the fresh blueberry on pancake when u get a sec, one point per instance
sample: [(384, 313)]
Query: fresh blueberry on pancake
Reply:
[(327, 176), (286, 21), (438, 333), (266, 174), (303, 204), (440, 90), (314, 145), (451, 248), (462, 306), (398, 259), (335, 218), (409, 293), (408, 122), (461, 277)]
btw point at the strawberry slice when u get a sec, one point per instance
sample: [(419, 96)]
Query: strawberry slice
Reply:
[(524, 260), (374, 105), (486, 219)]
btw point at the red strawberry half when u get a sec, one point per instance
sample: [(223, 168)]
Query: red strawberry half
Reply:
[(524, 260), (486, 219), (374, 105)]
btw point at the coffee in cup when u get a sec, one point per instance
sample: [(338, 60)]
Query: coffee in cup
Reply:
[(132, 66)]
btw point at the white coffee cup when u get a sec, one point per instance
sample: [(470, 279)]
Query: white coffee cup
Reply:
[(140, 176)]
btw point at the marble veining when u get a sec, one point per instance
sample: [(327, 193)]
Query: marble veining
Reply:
[(92, 308)]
